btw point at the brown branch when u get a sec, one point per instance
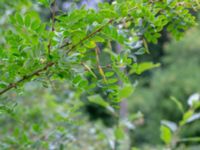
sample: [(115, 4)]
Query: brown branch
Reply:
[(27, 77), (50, 64)]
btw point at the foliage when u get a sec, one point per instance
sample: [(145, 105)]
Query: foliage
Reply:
[(28, 44), (179, 77), (76, 56), (170, 131)]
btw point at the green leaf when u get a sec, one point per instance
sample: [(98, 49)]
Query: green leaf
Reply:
[(90, 44), (140, 68), (126, 91), (44, 2), (146, 46), (77, 79), (177, 102), (3, 84), (6, 109), (134, 148), (112, 80), (97, 99), (190, 139), (166, 134), (83, 84), (119, 133), (90, 70), (27, 21), (141, 51), (109, 74), (98, 39), (19, 19), (186, 116), (35, 24)]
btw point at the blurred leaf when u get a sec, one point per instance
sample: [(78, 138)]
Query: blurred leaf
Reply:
[(177, 102), (191, 139), (119, 133), (44, 2), (165, 134), (109, 74), (97, 99), (146, 46), (19, 18), (186, 116), (126, 91), (195, 116), (171, 125), (140, 68), (134, 148), (27, 20)]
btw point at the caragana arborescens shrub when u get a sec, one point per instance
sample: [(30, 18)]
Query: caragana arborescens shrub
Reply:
[(94, 50), (71, 44)]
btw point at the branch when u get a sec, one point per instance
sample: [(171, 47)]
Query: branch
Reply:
[(27, 77), (50, 64), (88, 36)]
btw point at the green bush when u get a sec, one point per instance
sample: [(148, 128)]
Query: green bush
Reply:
[(179, 76)]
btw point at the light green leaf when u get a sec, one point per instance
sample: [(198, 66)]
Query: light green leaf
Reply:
[(119, 133), (166, 134), (98, 39), (190, 139), (177, 102), (109, 74), (19, 19), (126, 91), (186, 116), (27, 21), (97, 99), (90, 44), (140, 68), (44, 2)]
